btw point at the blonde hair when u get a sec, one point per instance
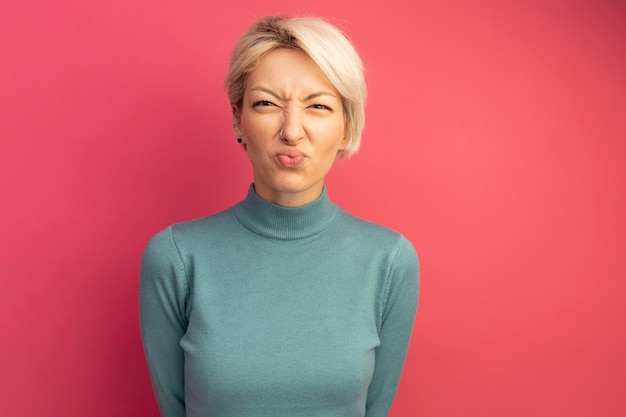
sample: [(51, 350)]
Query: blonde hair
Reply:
[(326, 45)]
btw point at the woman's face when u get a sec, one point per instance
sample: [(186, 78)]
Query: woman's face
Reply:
[(292, 125)]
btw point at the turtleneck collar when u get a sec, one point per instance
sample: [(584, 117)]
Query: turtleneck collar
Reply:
[(286, 223)]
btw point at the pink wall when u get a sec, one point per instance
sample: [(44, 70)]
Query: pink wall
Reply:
[(496, 141)]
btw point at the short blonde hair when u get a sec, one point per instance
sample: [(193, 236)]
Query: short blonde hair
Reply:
[(326, 45)]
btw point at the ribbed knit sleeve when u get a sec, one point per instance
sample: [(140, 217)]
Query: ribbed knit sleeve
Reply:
[(163, 297), (399, 305)]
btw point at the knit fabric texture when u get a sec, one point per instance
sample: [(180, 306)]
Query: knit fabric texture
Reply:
[(268, 311)]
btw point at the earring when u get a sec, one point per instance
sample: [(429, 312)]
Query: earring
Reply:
[(239, 140)]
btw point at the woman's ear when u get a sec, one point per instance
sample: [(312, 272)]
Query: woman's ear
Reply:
[(236, 120), (345, 141), (237, 126)]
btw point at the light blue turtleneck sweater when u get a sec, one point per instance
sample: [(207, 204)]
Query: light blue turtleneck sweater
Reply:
[(262, 310)]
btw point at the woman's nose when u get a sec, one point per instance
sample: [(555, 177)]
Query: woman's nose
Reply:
[(292, 130)]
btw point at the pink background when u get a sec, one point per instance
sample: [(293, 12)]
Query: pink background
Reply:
[(495, 141)]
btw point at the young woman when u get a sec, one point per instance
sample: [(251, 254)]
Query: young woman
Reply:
[(283, 305)]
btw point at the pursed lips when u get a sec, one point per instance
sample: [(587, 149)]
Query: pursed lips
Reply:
[(290, 158)]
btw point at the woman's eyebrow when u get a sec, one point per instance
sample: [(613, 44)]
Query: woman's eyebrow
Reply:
[(307, 98), (266, 90), (319, 94)]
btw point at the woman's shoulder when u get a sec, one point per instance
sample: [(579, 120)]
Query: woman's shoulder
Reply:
[(361, 225), (196, 229), (371, 233), (370, 243), (202, 224)]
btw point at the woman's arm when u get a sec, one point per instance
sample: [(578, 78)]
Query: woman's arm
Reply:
[(163, 296), (399, 307)]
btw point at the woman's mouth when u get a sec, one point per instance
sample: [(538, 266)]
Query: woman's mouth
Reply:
[(290, 159)]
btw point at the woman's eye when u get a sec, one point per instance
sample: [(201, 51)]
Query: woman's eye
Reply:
[(321, 107), (262, 103)]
